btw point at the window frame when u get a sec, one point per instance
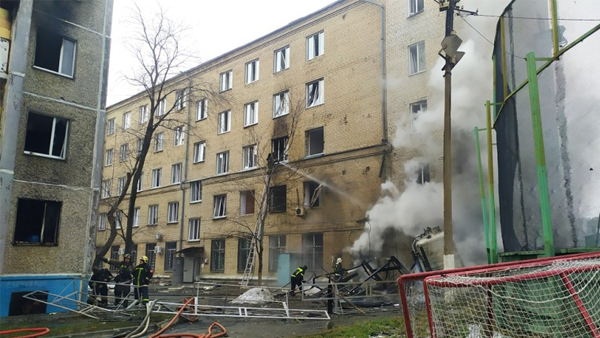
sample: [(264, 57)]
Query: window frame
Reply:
[(201, 109), (276, 153), (196, 191), (318, 41), (413, 7), (415, 114), (281, 190), (199, 152), (48, 216), (277, 248), (153, 215), (226, 81), (61, 56), (108, 157), (161, 108), (421, 67), (281, 104), (159, 142), (172, 212), (143, 110), (252, 71), (176, 173), (178, 136), (217, 255), (220, 206), (244, 247), (120, 185), (312, 189), (194, 229), (102, 221), (320, 93), (222, 163), (106, 187), (169, 260), (31, 135), (156, 178), (136, 217), (180, 99), (308, 138), (123, 152), (140, 185), (126, 120), (277, 64), (110, 126), (224, 119), (250, 114), (245, 201), (250, 157)]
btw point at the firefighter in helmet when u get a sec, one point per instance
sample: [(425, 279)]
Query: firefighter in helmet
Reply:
[(123, 279), (298, 278), (142, 274)]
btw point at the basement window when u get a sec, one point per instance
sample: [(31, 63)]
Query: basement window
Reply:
[(55, 53), (277, 199), (37, 222), (312, 194), (46, 136), (314, 142)]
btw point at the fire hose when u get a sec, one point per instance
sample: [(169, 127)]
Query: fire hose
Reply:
[(42, 331), (189, 335)]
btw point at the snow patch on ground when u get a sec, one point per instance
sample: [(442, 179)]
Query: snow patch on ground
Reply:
[(254, 296)]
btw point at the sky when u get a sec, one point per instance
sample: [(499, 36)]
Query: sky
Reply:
[(216, 28)]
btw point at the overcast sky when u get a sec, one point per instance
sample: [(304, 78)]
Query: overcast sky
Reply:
[(217, 27)]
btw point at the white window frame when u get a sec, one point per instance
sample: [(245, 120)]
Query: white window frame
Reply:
[(143, 113), (308, 136), (173, 212), (180, 99), (195, 191), (281, 104), (226, 81), (179, 136), (127, 120), (220, 203), (54, 132), (176, 173), (136, 217), (223, 163), (140, 145), (102, 222), (416, 58), (153, 214), (250, 114), (123, 152), (108, 157), (201, 109), (417, 108), (162, 108), (315, 45), (106, 185), (281, 59), (415, 7), (250, 157), (224, 122), (63, 69), (120, 185), (199, 151), (156, 177), (315, 93), (118, 219), (194, 230), (275, 142), (159, 141), (252, 71), (140, 185), (110, 126)]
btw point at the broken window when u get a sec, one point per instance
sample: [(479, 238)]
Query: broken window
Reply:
[(312, 194), (153, 215), (416, 109), (55, 53), (314, 93), (199, 151), (314, 142), (281, 104), (281, 59), (247, 202), (243, 253), (226, 80), (423, 175), (224, 122), (222, 163), (37, 222), (252, 71), (173, 212), (279, 149), (315, 45), (276, 247), (196, 191), (312, 248), (250, 113), (201, 109), (250, 157), (46, 136), (278, 199), (217, 255), (220, 208), (194, 229)]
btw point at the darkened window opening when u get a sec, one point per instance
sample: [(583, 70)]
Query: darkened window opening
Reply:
[(279, 148), (243, 252), (277, 199), (170, 248), (23, 306), (314, 142), (312, 245), (217, 255), (151, 254), (46, 135), (423, 174), (312, 194), (55, 53), (37, 222)]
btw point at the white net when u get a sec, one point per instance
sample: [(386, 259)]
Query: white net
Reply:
[(538, 300)]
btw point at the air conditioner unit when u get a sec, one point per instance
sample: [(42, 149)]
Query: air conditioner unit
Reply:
[(158, 249), (300, 211), (121, 250), (158, 236)]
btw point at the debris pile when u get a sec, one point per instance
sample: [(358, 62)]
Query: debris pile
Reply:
[(254, 296)]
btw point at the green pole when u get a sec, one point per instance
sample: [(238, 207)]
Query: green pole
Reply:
[(482, 191), (492, 198), (540, 155), (554, 8)]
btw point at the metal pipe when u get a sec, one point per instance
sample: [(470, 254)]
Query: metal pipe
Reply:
[(482, 192), (492, 193)]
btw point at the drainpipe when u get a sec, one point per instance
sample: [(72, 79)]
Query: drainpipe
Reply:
[(185, 163)]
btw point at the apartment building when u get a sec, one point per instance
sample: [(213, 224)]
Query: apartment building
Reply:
[(311, 99), (53, 79)]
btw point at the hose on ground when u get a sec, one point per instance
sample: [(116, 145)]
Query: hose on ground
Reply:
[(145, 323), (189, 335), (42, 331)]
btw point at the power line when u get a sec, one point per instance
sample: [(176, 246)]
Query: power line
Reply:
[(486, 39), (541, 19)]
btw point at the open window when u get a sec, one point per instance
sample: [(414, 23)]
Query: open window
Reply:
[(423, 175), (247, 202), (220, 207), (46, 136), (312, 194), (278, 199), (55, 53), (37, 222), (279, 149), (314, 142)]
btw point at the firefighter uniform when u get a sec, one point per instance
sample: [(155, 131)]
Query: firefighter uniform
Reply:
[(141, 278), (298, 278), (123, 279)]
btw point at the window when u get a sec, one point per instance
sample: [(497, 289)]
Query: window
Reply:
[(176, 173), (281, 59), (314, 93), (108, 157), (416, 6), (159, 141), (281, 104), (126, 120), (123, 152), (250, 113), (252, 71), (250, 157), (201, 109), (180, 99), (417, 57), (153, 215), (314, 142), (222, 163), (46, 136), (143, 114), (417, 108), (224, 122), (139, 183), (102, 222), (114, 255), (106, 188), (315, 45), (140, 145), (217, 255), (151, 254), (136, 217), (118, 219), (134, 254), (226, 81), (220, 209), (279, 149), (196, 191), (243, 253), (162, 108), (156, 176), (170, 248), (179, 136), (277, 199), (194, 229), (423, 175), (55, 53), (173, 212), (247, 202), (199, 151), (276, 247), (312, 194), (110, 128), (312, 251), (37, 222), (120, 185)]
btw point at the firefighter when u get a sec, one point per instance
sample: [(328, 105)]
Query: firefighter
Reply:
[(123, 279), (338, 270), (141, 278), (99, 285), (298, 278)]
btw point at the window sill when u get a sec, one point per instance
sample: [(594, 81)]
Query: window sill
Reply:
[(314, 57), (315, 105), (219, 217), (136, 226), (53, 72), (250, 125), (33, 244), (199, 162), (249, 169), (313, 156), (153, 225), (158, 151), (26, 152), (410, 15), (223, 132), (222, 174), (417, 73), (102, 229), (202, 119), (281, 71), (195, 202), (225, 90), (173, 222), (193, 240), (251, 82), (282, 115), (252, 214), (157, 187)]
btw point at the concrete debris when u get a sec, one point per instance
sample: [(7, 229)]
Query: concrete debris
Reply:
[(254, 296)]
